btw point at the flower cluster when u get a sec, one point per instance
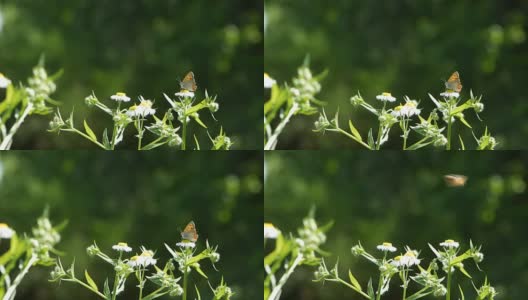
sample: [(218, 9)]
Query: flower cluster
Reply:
[(23, 100), (404, 265), (289, 100), (431, 130), (139, 264), (142, 115)]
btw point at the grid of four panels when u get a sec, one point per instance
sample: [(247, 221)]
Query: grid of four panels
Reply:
[(150, 79)]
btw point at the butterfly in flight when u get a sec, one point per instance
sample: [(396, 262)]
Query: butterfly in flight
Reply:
[(189, 232), (453, 83), (188, 83), (454, 180)]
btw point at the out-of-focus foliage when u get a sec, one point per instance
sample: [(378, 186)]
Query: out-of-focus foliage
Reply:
[(402, 198), (143, 199), (406, 48), (141, 48)]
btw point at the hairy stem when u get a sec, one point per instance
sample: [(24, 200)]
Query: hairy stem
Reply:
[(272, 141)]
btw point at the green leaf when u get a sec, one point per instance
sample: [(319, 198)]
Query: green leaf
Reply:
[(90, 281), (197, 292), (463, 120), (354, 281), (354, 131), (371, 139), (199, 270), (371, 290), (197, 119), (106, 141), (461, 293), (196, 142), (90, 132), (106, 289), (461, 142)]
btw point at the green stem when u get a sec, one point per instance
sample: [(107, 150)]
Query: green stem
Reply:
[(272, 141), (141, 281), (85, 136), (8, 140), (184, 132), (449, 122), (140, 132), (185, 275), (405, 270), (354, 288), (405, 124), (11, 291), (278, 288), (448, 295), (354, 138), (380, 282)]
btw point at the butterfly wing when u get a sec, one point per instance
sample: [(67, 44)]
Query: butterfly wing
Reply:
[(454, 180), (189, 232), (453, 83), (189, 83)]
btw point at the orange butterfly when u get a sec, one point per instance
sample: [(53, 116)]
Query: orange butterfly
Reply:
[(189, 233), (188, 83), (453, 83), (454, 180)]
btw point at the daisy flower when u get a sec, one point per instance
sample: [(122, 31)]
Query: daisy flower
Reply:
[(184, 94), (450, 94), (268, 81), (5, 231), (4, 81), (386, 247), (449, 244), (143, 109), (120, 97), (407, 260), (186, 244), (270, 231), (409, 109), (122, 247), (385, 97)]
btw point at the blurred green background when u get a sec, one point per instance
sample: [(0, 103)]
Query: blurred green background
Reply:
[(141, 48), (401, 198), (143, 199), (406, 48)]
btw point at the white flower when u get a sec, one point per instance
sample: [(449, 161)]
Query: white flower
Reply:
[(145, 259), (385, 247), (270, 231), (268, 81), (448, 94), (143, 109), (4, 81), (184, 94), (122, 247), (449, 244), (384, 97), (186, 244), (407, 260), (120, 97), (5, 231), (410, 108)]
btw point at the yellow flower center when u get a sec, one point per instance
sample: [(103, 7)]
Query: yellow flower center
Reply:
[(2, 75), (410, 253), (386, 94), (146, 103), (387, 244), (268, 225), (134, 258), (266, 75), (449, 241), (120, 94), (3, 225), (122, 244), (147, 253)]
